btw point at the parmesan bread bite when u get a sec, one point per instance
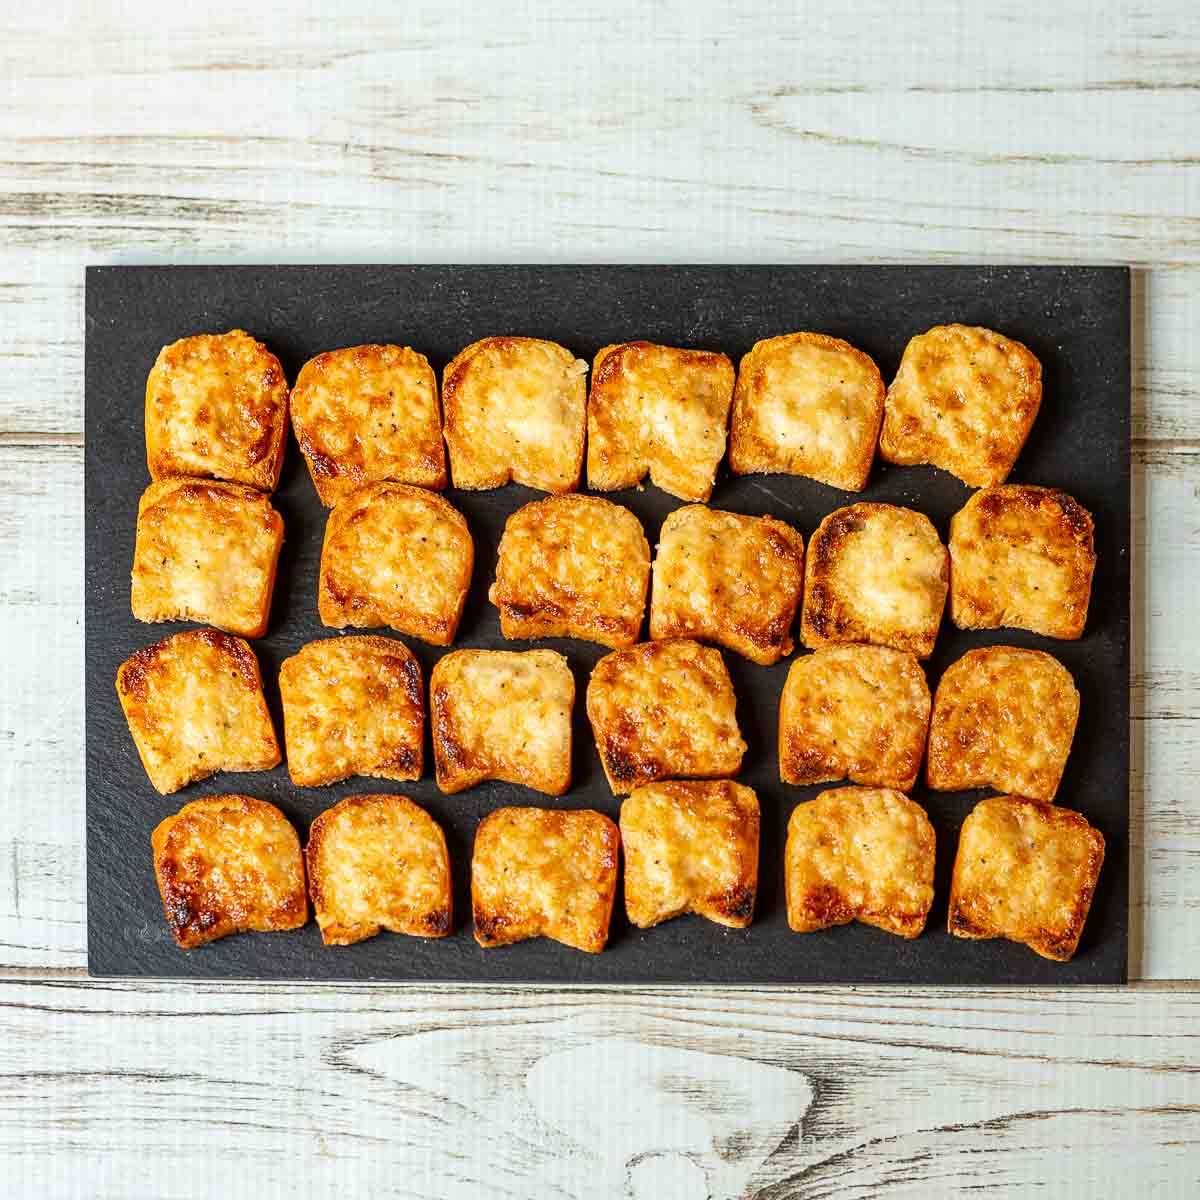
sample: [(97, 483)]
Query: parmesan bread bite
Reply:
[(352, 706), (658, 410), (367, 414), (1003, 718), (228, 864), (1025, 871), (398, 556), (206, 551), (964, 400), (572, 566), (1022, 556), (875, 573), (662, 710), (806, 404), (690, 847), (854, 712), (730, 579), (538, 873), (216, 406), (378, 862), (501, 714), (859, 854), (195, 706), (515, 410)]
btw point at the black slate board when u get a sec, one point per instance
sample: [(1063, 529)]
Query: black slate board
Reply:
[(1077, 320)]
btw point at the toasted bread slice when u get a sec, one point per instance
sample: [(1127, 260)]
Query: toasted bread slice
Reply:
[(859, 854), (664, 710), (661, 411), (398, 556), (1002, 718), (963, 400), (854, 712), (806, 404), (515, 409), (1022, 556), (366, 414), (730, 579), (572, 566), (875, 573), (217, 407), (228, 864), (1025, 871), (691, 847), (539, 873), (378, 862), (206, 551), (195, 706), (352, 706), (502, 714)]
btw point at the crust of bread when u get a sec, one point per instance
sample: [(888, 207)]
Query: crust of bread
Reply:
[(195, 706), (378, 862), (806, 404), (854, 712), (399, 556), (875, 573), (572, 566), (502, 714), (228, 864), (660, 411), (515, 410), (730, 579), (352, 706), (1025, 871), (217, 407), (1022, 556), (859, 854), (664, 710), (366, 414), (964, 399), (691, 847), (542, 873), (1003, 718), (206, 551)]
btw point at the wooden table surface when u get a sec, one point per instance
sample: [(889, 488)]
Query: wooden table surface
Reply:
[(670, 132)]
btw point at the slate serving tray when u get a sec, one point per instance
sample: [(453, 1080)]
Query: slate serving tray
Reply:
[(1077, 320)]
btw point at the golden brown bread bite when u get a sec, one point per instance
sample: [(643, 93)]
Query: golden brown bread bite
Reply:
[(875, 573), (806, 404), (690, 846), (1022, 556), (216, 406), (572, 566), (729, 579), (206, 551), (854, 712), (515, 410), (664, 710), (195, 706), (502, 714), (1002, 718), (365, 414), (658, 410), (398, 556), (859, 854), (228, 864), (964, 400), (352, 706), (1025, 871), (541, 873), (378, 862)]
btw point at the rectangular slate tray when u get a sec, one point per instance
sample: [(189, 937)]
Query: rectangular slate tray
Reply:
[(1075, 319)]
